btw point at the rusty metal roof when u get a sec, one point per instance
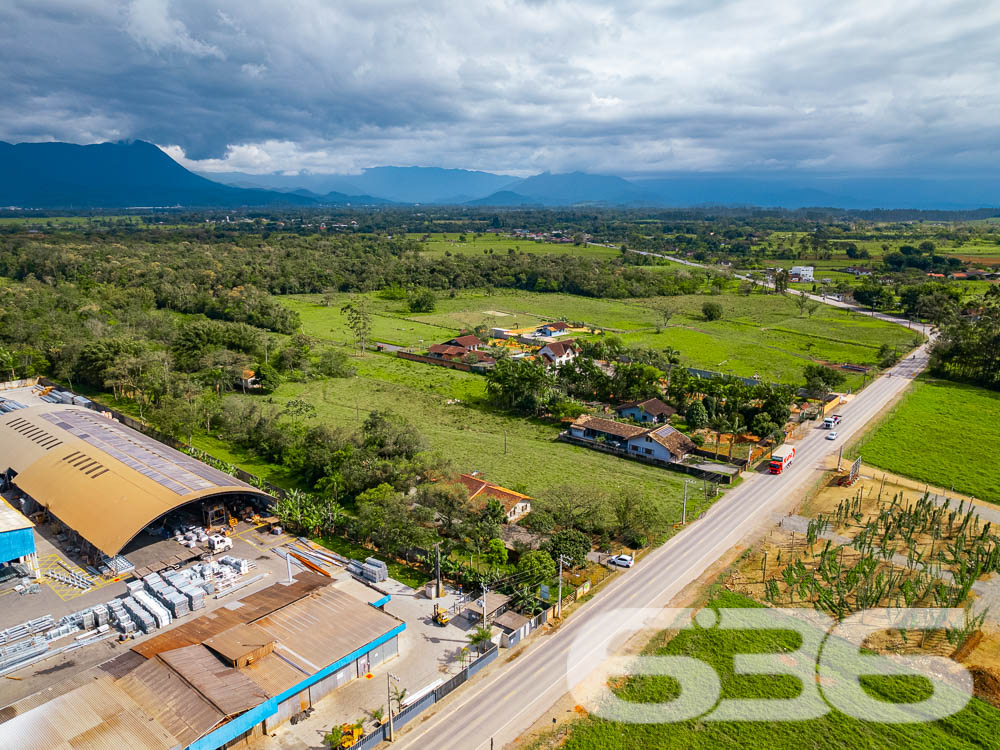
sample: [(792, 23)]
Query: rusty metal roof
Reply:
[(219, 620), (224, 687), (326, 626), (273, 674), (165, 696), (95, 716), (239, 641)]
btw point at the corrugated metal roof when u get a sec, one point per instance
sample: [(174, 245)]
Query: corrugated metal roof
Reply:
[(104, 480), (11, 518), (239, 641), (273, 674), (170, 700), (305, 636), (95, 716), (227, 689), (256, 605)]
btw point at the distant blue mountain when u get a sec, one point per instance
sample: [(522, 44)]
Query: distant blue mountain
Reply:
[(504, 198), (580, 188), (133, 173)]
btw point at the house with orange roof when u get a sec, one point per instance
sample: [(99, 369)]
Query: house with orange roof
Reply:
[(515, 505)]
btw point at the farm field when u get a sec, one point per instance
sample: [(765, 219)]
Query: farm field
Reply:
[(762, 334), (942, 433), (518, 453), (439, 244), (974, 726)]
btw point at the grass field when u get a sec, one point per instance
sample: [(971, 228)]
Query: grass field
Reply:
[(974, 726), (439, 244), (762, 334), (944, 434), (514, 452)]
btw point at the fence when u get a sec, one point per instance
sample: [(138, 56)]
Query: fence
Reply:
[(465, 367), (23, 383), (145, 429), (711, 476), (409, 713)]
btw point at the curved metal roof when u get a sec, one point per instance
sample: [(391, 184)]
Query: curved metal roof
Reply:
[(104, 480)]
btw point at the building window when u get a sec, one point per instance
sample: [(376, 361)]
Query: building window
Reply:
[(649, 451), (635, 447)]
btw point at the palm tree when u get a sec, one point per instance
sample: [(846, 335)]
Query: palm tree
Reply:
[(673, 358), (479, 638), (737, 425), (718, 424), (398, 695)]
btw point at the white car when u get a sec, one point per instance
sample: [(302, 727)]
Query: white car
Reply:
[(831, 435), (622, 561)]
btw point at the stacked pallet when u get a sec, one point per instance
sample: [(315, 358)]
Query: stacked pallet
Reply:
[(157, 610), (136, 611), (25, 629)]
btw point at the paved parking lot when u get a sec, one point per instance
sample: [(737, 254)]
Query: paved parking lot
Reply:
[(427, 652)]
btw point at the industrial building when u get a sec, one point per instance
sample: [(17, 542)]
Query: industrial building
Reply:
[(17, 544), (219, 680), (104, 481)]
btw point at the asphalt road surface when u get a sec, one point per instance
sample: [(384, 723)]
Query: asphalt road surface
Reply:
[(512, 698)]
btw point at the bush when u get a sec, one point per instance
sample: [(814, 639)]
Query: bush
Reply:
[(698, 440), (712, 311), (422, 301), (696, 416)]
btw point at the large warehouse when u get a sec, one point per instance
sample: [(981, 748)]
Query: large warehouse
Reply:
[(104, 481)]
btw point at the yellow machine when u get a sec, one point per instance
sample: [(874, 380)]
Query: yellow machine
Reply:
[(350, 734), (441, 616)]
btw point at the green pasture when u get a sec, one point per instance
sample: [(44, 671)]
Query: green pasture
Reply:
[(943, 433), (486, 244), (512, 451), (760, 333), (972, 727)]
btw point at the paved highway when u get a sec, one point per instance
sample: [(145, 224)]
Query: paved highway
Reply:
[(511, 698)]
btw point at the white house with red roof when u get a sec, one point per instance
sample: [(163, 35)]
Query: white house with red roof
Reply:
[(558, 353), (515, 505)]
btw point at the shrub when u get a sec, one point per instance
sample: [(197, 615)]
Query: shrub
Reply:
[(712, 311), (422, 301)]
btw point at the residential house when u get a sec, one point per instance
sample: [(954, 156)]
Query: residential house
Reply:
[(553, 329), (801, 273), (515, 505), (650, 410), (468, 341), (447, 351), (597, 429), (558, 353), (249, 380), (664, 443)]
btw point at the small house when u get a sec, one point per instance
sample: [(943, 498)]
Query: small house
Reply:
[(558, 353), (467, 341), (515, 505), (447, 351), (650, 410), (553, 329), (804, 273), (664, 443), (598, 430)]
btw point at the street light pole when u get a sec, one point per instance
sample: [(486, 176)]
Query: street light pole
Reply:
[(559, 601), (388, 695)]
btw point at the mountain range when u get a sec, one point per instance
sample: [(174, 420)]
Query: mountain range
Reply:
[(139, 174)]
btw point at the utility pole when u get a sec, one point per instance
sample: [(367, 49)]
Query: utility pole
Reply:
[(684, 508), (562, 559), (485, 590), (438, 590), (388, 693), (840, 456)]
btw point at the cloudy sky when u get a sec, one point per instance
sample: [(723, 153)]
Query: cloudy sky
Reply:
[(516, 86)]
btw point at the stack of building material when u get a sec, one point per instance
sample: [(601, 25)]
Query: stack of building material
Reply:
[(117, 564), (142, 618), (175, 601), (88, 620), (195, 596), (22, 650), (31, 627), (374, 570), (157, 610), (133, 586), (101, 613), (241, 566), (120, 617)]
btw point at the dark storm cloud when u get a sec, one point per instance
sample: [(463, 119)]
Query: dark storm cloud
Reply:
[(511, 85)]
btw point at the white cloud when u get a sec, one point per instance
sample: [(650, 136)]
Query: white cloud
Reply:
[(150, 24), (506, 85)]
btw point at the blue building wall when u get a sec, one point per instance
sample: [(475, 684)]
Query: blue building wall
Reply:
[(247, 721), (16, 543)]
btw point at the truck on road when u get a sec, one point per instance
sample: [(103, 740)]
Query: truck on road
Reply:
[(781, 457), (832, 421)]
